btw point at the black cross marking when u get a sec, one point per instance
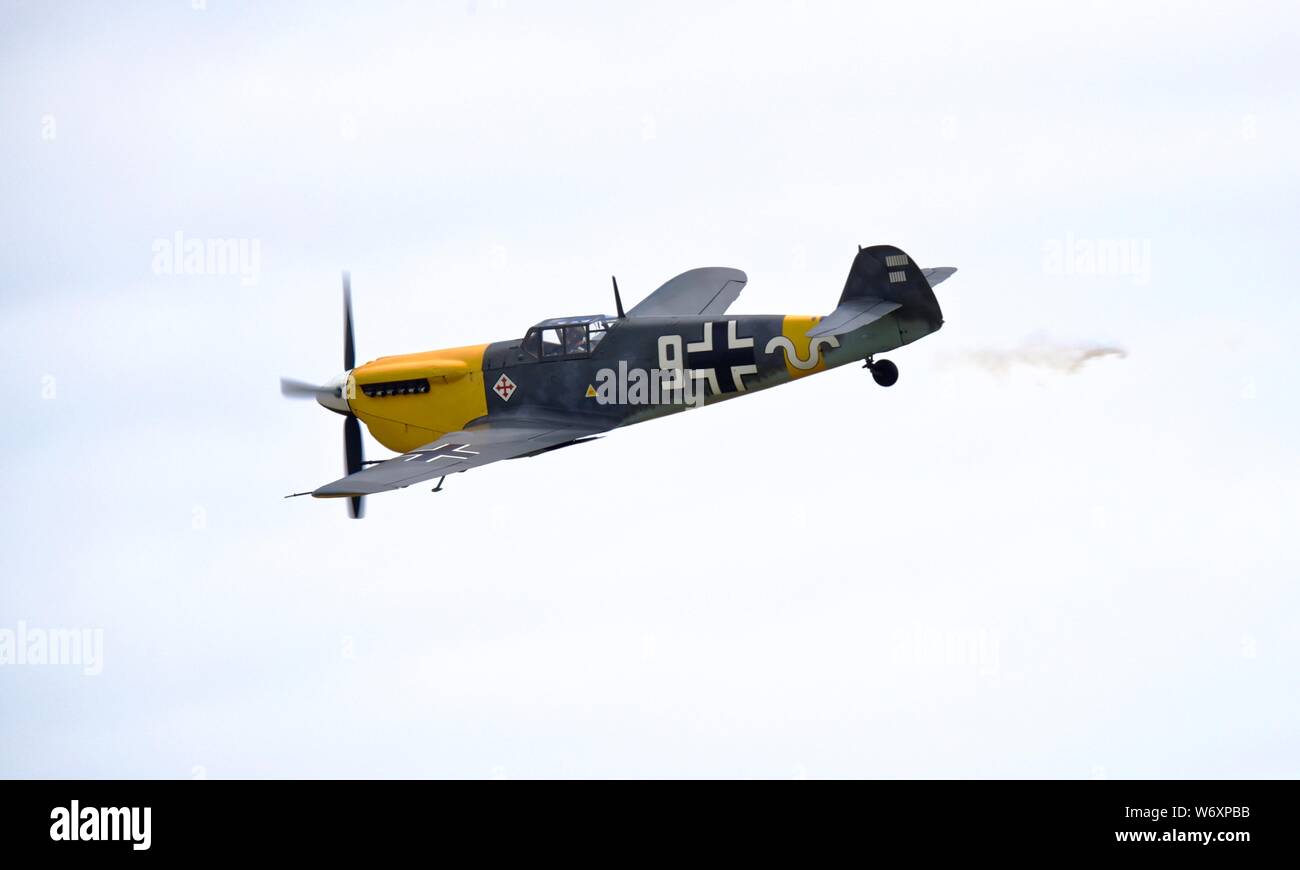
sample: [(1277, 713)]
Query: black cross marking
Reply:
[(721, 358)]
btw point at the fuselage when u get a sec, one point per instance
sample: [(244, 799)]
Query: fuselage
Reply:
[(615, 371)]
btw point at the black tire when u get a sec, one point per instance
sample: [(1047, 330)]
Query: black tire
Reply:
[(884, 372)]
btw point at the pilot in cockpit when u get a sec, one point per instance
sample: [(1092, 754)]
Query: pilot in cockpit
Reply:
[(575, 339)]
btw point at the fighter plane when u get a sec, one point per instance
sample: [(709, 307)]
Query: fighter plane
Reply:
[(570, 379)]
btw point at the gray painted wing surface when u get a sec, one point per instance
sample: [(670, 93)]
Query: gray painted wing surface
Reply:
[(460, 451), (708, 291)]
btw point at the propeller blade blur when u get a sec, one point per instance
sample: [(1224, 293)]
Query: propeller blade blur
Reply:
[(294, 389), (353, 460)]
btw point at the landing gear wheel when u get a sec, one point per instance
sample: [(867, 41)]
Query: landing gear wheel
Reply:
[(883, 372)]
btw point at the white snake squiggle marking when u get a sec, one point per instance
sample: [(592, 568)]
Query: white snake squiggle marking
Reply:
[(814, 351)]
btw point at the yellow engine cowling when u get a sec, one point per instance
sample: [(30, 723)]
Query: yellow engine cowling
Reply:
[(403, 422)]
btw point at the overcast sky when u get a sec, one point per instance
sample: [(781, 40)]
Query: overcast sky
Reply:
[(1012, 563)]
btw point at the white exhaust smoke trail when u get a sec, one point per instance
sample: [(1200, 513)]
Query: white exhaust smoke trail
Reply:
[(1067, 358)]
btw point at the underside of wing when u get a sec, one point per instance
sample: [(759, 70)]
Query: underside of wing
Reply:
[(708, 291), (482, 444)]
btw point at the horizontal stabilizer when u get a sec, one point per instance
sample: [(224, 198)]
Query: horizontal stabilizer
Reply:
[(853, 314), (938, 274)]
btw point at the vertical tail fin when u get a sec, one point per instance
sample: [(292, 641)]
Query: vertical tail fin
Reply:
[(885, 272), (882, 280)]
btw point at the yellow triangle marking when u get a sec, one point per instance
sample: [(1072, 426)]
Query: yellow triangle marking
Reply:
[(591, 391)]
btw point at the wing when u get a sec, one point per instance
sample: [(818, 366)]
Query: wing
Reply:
[(460, 451), (708, 291)]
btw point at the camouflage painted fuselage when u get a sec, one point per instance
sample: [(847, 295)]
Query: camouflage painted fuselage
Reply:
[(722, 357)]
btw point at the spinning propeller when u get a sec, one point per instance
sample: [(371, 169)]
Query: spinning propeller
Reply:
[(331, 396)]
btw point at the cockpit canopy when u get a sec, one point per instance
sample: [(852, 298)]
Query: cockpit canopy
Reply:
[(562, 337)]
